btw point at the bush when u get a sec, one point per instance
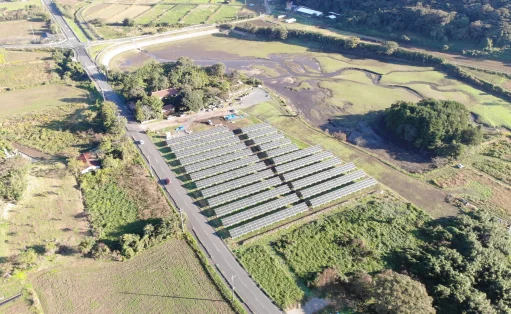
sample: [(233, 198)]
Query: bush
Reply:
[(13, 178)]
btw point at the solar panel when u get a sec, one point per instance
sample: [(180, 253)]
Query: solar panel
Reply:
[(251, 200), (306, 171), (245, 191), (254, 127), (331, 184), (268, 220), (217, 140), (303, 162), (345, 191), (236, 183), (261, 132), (281, 150), (212, 154), (230, 175), (274, 144), (259, 210), (217, 161), (191, 137), (297, 155), (223, 168), (202, 141), (268, 138), (322, 176)]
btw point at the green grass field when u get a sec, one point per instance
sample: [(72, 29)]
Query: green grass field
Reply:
[(166, 278), (40, 97), (16, 5), (226, 12), (153, 14), (174, 15), (200, 14)]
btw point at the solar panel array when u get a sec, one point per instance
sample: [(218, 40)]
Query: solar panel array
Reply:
[(303, 162), (281, 150), (246, 191), (217, 161), (268, 220), (259, 210), (236, 183), (268, 138), (322, 176), (195, 136), (254, 127), (305, 171), (297, 155), (223, 168), (230, 175), (337, 194), (261, 132), (331, 184), (206, 146), (274, 144), (212, 154), (218, 137), (251, 200)]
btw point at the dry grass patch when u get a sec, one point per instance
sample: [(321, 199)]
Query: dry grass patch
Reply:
[(167, 278), (19, 32)]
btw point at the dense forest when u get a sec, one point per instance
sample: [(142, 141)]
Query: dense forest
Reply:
[(440, 125), (486, 21)]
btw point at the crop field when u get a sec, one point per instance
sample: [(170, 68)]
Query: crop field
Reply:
[(341, 239), (19, 32), (40, 97), (16, 5), (165, 278), (225, 12), (200, 14), (153, 14), (175, 14), (131, 12)]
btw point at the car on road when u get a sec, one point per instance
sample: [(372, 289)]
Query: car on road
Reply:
[(141, 142), (166, 181)]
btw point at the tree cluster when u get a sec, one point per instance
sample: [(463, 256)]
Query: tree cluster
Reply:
[(66, 67), (464, 264), (439, 125), (485, 22), (197, 86), (13, 178)]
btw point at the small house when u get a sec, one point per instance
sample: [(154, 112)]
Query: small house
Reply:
[(309, 12), (280, 17), (332, 17), (289, 21), (169, 92), (90, 163)]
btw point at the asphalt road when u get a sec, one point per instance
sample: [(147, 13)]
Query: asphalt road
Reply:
[(245, 287)]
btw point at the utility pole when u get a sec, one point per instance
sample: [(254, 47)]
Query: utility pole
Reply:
[(232, 286), (33, 35)]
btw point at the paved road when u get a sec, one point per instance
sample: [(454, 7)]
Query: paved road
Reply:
[(245, 287)]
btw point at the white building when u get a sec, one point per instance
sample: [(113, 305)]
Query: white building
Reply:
[(309, 12)]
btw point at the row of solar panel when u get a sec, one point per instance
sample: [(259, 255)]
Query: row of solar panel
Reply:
[(259, 210), (281, 150), (250, 201), (254, 127), (296, 155), (230, 175), (223, 168), (277, 143), (331, 184), (212, 154), (268, 220), (269, 138), (303, 162), (321, 176), (230, 139), (215, 138), (236, 183), (246, 191), (217, 161), (261, 132), (305, 171), (337, 194), (195, 136)]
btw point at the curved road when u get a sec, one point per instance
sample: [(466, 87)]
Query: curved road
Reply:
[(245, 287)]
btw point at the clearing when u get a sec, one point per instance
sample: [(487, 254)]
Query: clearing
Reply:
[(20, 69), (20, 32)]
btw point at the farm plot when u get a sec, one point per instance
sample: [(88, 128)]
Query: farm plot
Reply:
[(107, 13), (200, 14), (175, 14), (153, 14), (131, 12), (20, 32), (25, 69), (224, 13), (91, 11), (251, 193)]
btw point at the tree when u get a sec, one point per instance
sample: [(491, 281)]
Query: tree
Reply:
[(218, 69), (86, 245), (389, 47), (148, 108), (27, 259), (192, 100), (397, 293), (352, 42), (128, 22)]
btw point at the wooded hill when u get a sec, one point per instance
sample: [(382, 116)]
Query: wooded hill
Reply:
[(475, 20)]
